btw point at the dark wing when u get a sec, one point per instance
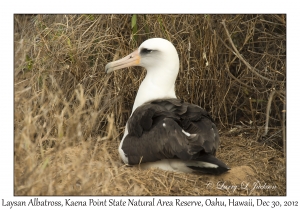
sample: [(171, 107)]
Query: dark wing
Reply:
[(169, 128)]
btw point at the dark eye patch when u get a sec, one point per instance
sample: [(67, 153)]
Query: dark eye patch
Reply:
[(145, 51)]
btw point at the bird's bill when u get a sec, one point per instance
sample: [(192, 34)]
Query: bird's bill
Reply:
[(133, 59)]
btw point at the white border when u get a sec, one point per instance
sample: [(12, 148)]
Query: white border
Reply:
[(148, 6)]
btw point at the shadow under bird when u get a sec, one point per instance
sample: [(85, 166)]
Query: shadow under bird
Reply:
[(163, 131)]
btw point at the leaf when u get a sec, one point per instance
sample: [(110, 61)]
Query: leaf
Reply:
[(134, 26), (29, 62), (46, 163), (133, 21), (246, 91), (69, 42), (92, 17)]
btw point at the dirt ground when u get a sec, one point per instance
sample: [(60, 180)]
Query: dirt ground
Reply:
[(86, 170)]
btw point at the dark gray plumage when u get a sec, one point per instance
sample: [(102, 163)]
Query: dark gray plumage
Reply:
[(172, 129)]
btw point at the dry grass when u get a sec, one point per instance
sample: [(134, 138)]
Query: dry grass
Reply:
[(69, 116)]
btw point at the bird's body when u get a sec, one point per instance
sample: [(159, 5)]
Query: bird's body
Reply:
[(163, 131)]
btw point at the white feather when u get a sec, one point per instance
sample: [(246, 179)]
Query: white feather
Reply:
[(186, 133)]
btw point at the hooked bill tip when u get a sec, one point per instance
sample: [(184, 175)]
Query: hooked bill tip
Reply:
[(107, 70)]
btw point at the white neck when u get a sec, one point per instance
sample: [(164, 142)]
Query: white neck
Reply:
[(159, 83)]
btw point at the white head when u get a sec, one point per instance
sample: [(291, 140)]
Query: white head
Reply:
[(152, 53), (161, 61)]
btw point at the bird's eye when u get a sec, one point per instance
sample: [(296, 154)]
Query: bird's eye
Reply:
[(146, 51)]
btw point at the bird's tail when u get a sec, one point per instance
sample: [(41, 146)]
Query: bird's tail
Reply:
[(207, 164)]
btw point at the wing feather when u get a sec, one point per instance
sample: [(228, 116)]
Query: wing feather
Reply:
[(155, 132)]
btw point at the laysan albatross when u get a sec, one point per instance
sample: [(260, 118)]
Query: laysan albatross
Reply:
[(163, 131)]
